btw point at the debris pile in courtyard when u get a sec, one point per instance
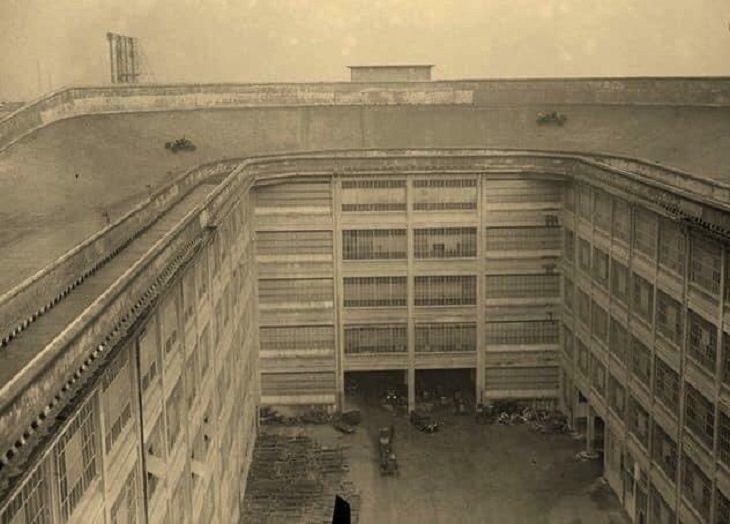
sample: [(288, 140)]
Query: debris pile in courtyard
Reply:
[(511, 413), (295, 479)]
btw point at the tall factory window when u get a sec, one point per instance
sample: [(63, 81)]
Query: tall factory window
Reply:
[(155, 446), (600, 266), (148, 355), (530, 332), (584, 255), (523, 238), (659, 511), (642, 298), (124, 509), (616, 396), (584, 308), (569, 293), (375, 292), (568, 342), (619, 281), (724, 439), (699, 415), (170, 339), (666, 385), (174, 414), (291, 195), (191, 378), (569, 253), (444, 194), (448, 242), (380, 195), (297, 338), (446, 337), (664, 451), (583, 358), (523, 190), (383, 338), (696, 487), (569, 197), (645, 226), (638, 421), (445, 290), (621, 220), (599, 377), (201, 276), (522, 286), (672, 246), (76, 458), (302, 290), (640, 361), (116, 394), (705, 265), (726, 358), (189, 296), (619, 340), (294, 242), (604, 207), (32, 504), (669, 317), (374, 244), (585, 207), (599, 322), (702, 341), (722, 508)]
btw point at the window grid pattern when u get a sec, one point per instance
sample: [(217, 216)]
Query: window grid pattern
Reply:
[(382, 195), (375, 292), (374, 244), (31, 505), (705, 260), (722, 508), (444, 194), (672, 246), (669, 317), (174, 414), (724, 439), (523, 238), (568, 342), (445, 290), (124, 509), (664, 451), (585, 207), (616, 396), (569, 293), (619, 281), (598, 377), (642, 298), (299, 290), (569, 197), (584, 363), (621, 220), (447, 242), (699, 415), (383, 338), (619, 340), (640, 361), (645, 232), (584, 308), (726, 357), (666, 385), (297, 338), (638, 421), (116, 394), (660, 512), (76, 457), (294, 242), (446, 337), (696, 487), (584, 255), (522, 285), (600, 266), (529, 332), (569, 248), (702, 341), (599, 322)]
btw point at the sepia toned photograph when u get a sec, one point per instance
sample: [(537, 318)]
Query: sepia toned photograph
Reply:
[(364, 261)]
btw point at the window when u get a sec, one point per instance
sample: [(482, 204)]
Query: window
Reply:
[(645, 226), (722, 508), (621, 220), (603, 208), (569, 293), (201, 273), (530, 332), (583, 358), (669, 317), (584, 255), (616, 396), (699, 415), (569, 252), (380, 195), (32, 504), (174, 414), (375, 291), (522, 285), (445, 290), (148, 355), (643, 298), (274, 243), (116, 393), (189, 296), (568, 342), (291, 291), (444, 194), (297, 338), (664, 451), (598, 377), (620, 281), (702, 341), (191, 378), (169, 325), (640, 361), (666, 385), (724, 439), (449, 242), (599, 323), (124, 509), (523, 238), (569, 197), (638, 421), (726, 357), (600, 266), (76, 458), (696, 487), (383, 338), (374, 244), (660, 512), (705, 260), (672, 246), (155, 446), (584, 308), (585, 208), (619, 340), (456, 337)]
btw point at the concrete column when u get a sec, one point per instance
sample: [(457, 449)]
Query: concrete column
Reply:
[(411, 382), (590, 430)]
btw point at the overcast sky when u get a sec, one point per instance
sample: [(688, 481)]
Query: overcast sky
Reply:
[(52, 43)]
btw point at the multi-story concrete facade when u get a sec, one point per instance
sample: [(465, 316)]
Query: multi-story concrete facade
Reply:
[(132, 368)]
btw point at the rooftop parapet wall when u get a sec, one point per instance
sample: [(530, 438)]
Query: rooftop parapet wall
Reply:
[(79, 101)]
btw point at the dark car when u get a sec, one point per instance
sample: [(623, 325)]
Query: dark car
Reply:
[(424, 422)]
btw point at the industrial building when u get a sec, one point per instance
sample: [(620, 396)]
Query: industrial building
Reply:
[(411, 228)]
